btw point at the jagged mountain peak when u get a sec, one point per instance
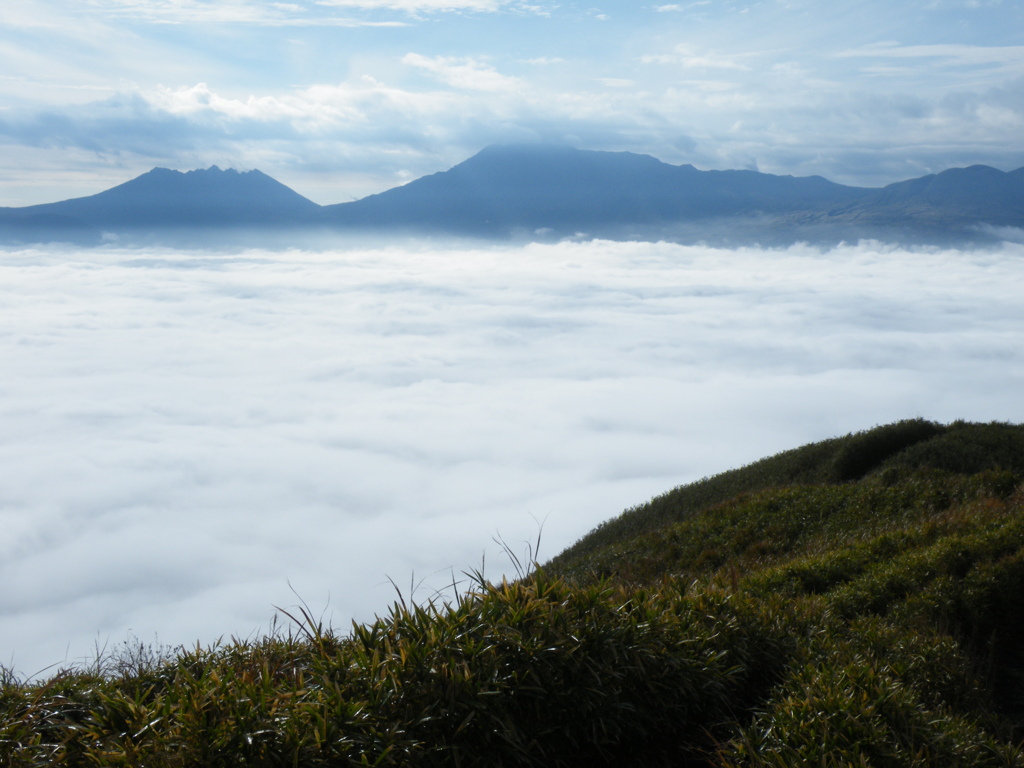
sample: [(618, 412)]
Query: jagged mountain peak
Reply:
[(210, 197)]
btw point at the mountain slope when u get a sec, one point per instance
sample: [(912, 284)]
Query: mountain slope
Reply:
[(883, 455), (525, 188), (955, 197), (17, 228), (164, 198)]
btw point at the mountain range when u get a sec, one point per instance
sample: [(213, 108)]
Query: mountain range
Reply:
[(541, 192)]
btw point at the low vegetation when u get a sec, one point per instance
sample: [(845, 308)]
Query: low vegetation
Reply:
[(856, 602)]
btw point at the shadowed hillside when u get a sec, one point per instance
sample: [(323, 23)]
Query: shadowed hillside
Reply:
[(855, 602)]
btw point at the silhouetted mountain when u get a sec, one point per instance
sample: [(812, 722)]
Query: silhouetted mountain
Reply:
[(18, 229), (522, 189), (959, 197), (165, 199), (538, 191)]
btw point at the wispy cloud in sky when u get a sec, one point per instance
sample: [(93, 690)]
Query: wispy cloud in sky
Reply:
[(864, 93), (238, 12), (685, 57), (422, 6), (464, 73), (187, 433)]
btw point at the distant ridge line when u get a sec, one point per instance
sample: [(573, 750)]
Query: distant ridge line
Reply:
[(544, 192)]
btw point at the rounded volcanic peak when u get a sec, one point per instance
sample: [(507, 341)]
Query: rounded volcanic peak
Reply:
[(527, 186), (640, 187), (563, 190), (508, 155), (643, 179), (533, 164)]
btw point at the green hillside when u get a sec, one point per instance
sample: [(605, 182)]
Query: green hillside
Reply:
[(855, 602)]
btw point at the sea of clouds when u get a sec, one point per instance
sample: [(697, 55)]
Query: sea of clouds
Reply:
[(188, 439)]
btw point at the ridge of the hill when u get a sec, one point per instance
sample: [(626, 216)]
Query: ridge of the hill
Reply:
[(914, 444)]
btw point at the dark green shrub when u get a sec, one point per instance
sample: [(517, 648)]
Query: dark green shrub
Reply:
[(862, 452), (968, 449)]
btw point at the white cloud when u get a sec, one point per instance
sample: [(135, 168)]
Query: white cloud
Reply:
[(181, 434), (315, 106), (466, 72), (421, 6), (288, 94), (685, 56), (1009, 58), (936, 5), (337, 141), (232, 12)]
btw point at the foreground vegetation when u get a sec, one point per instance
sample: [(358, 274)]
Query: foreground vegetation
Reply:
[(856, 602)]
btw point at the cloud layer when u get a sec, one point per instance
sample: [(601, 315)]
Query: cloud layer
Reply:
[(182, 435), (343, 98)]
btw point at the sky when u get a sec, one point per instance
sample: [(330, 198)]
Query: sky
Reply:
[(189, 439), (343, 98)]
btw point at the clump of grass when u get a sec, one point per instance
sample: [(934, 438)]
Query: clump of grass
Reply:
[(845, 707), (526, 673)]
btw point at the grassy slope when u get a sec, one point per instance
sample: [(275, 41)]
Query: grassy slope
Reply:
[(854, 602)]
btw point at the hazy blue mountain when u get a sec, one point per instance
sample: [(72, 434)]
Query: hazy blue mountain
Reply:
[(958, 197), (539, 191), (166, 199), (524, 188), (17, 228)]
